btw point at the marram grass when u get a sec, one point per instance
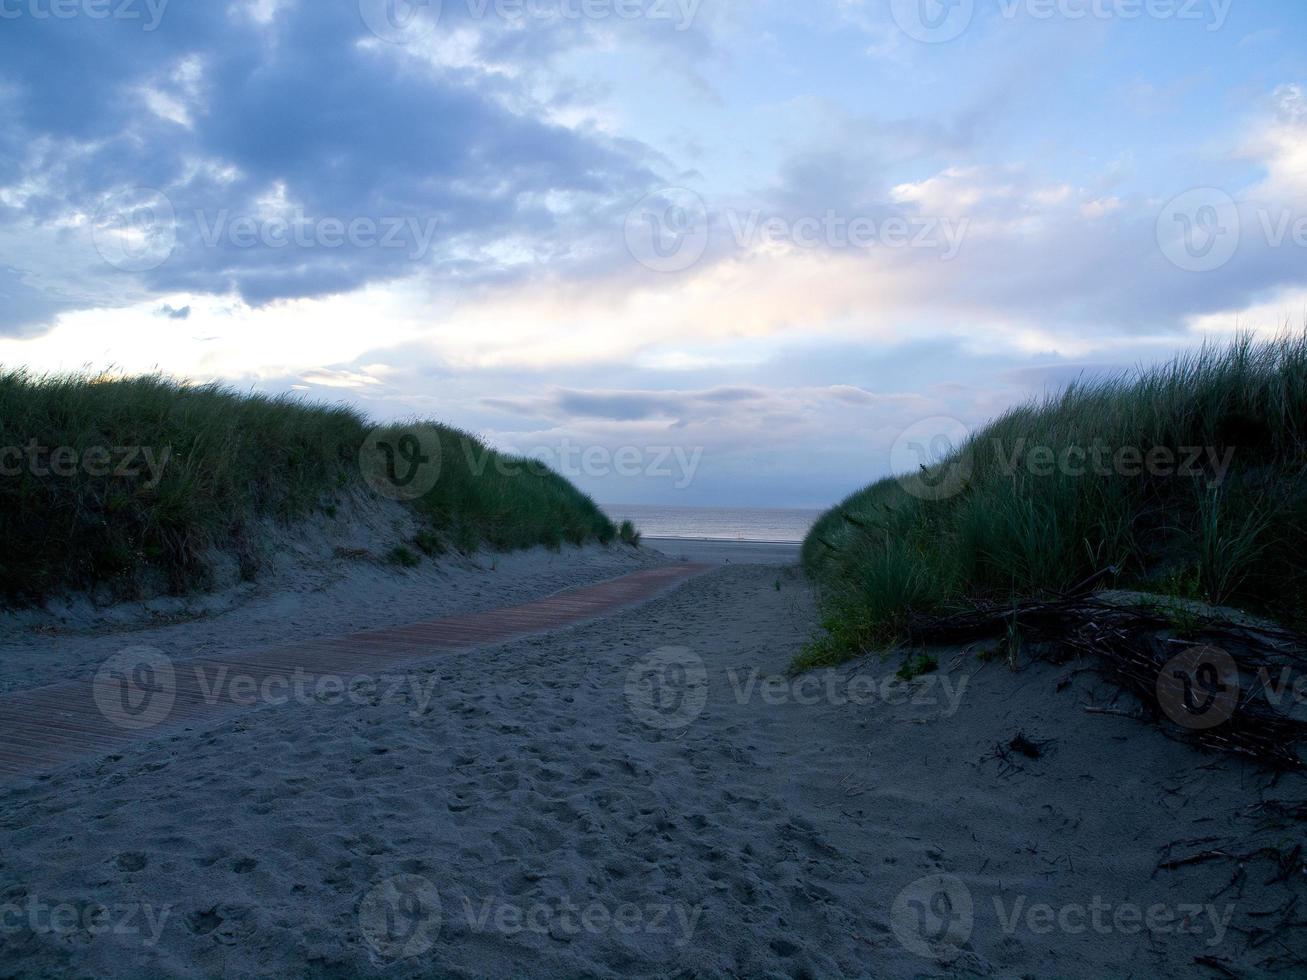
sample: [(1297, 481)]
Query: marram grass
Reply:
[(1186, 479), (112, 480)]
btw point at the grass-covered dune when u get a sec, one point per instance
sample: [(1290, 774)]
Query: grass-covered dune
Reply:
[(1186, 479), (104, 479)]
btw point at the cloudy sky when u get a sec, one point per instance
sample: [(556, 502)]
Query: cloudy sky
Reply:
[(693, 251)]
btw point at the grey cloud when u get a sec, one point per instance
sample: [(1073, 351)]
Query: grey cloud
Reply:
[(352, 132)]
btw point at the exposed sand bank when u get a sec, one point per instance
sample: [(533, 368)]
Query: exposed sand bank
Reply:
[(648, 795)]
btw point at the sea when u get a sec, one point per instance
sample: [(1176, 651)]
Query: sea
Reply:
[(716, 523)]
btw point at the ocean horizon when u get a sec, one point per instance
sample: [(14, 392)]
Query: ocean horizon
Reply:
[(764, 524)]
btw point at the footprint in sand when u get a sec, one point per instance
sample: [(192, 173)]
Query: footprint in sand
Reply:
[(132, 861)]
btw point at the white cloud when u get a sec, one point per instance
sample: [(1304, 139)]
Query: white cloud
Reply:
[(1281, 145)]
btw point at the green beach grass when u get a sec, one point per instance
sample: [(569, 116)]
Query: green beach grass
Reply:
[(104, 480), (1185, 480)]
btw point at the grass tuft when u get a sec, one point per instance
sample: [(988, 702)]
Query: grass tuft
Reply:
[(917, 666), (403, 557), (629, 535)]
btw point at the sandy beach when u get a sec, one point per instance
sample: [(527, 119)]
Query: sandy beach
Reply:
[(645, 795)]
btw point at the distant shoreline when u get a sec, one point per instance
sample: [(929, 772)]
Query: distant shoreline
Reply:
[(707, 539), (726, 551), (762, 525)]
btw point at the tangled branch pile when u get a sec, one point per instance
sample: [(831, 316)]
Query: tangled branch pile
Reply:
[(1228, 685)]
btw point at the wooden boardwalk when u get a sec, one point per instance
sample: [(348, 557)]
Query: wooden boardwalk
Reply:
[(141, 694)]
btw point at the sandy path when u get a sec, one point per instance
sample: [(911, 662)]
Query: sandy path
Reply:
[(595, 803), (307, 600)]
